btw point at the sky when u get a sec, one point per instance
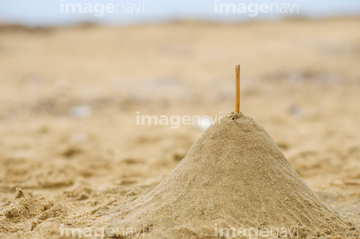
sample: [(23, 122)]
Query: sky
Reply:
[(53, 12)]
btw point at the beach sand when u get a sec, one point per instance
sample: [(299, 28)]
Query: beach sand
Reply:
[(72, 154), (235, 178)]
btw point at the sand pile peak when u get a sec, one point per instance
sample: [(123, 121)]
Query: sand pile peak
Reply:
[(233, 176)]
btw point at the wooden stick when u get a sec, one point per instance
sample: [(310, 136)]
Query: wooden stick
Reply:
[(237, 89)]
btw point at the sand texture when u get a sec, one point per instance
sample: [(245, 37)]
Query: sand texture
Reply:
[(73, 157), (236, 176)]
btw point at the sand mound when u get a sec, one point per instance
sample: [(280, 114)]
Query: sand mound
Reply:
[(25, 212), (233, 176)]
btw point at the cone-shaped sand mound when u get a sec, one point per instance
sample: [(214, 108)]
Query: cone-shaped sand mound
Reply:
[(233, 176)]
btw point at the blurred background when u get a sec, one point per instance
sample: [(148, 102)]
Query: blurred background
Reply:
[(74, 74), (53, 13)]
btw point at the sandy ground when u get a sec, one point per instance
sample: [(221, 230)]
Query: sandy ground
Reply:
[(71, 151)]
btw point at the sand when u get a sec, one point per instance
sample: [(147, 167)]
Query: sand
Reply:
[(234, 176), (69, 97), (27, 211)]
